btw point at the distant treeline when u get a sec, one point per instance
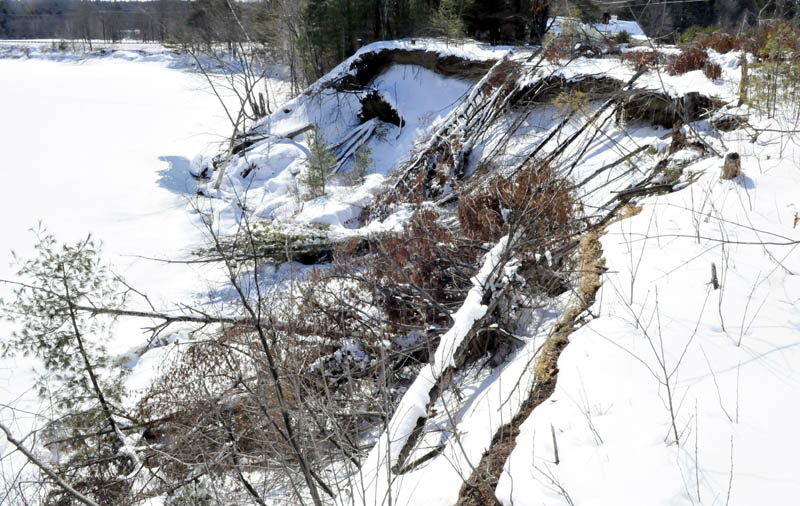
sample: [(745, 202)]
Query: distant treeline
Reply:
[(314, 35), (78, 19), (199, 20)]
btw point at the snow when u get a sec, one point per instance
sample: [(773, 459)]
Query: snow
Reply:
[(102, 146), (562, 24), (730, 354), (658, 333), (661, 81), (271, 188), (438, 483), (616, 26), (610, 411)]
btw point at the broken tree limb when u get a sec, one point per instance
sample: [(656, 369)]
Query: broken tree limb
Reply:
[(612, 165), (408, 424), (591, 121), (641, 191), (473, 104), (479, 488), (299, 131), (307, 250), (353, 141), (46, 469)]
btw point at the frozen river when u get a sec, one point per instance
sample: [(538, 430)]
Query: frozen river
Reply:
[(100, 146)]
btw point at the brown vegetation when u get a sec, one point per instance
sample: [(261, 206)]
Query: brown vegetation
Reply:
[(712, 71), (642, 59), (720, 42), (485, 214), (417, 274), (732, 167), (690, 58), (560, 48)]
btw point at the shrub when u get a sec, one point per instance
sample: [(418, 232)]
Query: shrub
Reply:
[(776, 79), (535, 200), (362, 163), (622, 37), (320, 165), (781, 42), (642, 58), (559, 48), (720, 42), (573, 101), (538, 208), (695, 32), (712, 71), (218, 386), (691, 58), (423, 263)]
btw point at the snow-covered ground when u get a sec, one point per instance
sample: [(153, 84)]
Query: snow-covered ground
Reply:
[(664, 354), (101, 146), (725, 360), (104, 146)]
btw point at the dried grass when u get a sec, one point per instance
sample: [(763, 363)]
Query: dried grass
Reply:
[(592, 266), (690, 58)]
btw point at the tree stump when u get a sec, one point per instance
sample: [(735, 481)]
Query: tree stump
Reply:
[(732, 168), (745, 80)]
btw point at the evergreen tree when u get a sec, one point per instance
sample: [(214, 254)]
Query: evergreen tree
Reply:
[(449, 18), (4, 15), (320, 165), (362, 163), (507, 20), (84, 390)]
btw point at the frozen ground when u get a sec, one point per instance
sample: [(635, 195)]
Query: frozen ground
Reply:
[(101, 146)]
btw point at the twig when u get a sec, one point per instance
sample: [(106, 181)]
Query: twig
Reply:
[(47, 470)]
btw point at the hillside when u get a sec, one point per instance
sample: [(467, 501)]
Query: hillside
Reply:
[(669, 386), (471, 274)]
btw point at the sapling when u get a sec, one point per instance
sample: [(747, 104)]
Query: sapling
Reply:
[(362, 163), (320, 165), (84, 390)]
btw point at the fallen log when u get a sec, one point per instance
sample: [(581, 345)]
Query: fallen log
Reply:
[(450, 355)]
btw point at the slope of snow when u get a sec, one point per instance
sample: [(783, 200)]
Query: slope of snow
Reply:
[(724, 360), (674, 86), (423, 97), (729, 356), (266, 178), (665, 353)]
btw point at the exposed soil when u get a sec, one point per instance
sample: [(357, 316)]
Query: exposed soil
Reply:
[(660, 109), (373, 105), (369, 65), (479, 489)]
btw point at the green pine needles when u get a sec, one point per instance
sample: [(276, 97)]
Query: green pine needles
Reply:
[(320, 165), (52, 310)]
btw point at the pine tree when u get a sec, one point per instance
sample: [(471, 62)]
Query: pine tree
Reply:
[(448, 19), (4, 15), (84, 390), (362, 163), (320, 165)]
